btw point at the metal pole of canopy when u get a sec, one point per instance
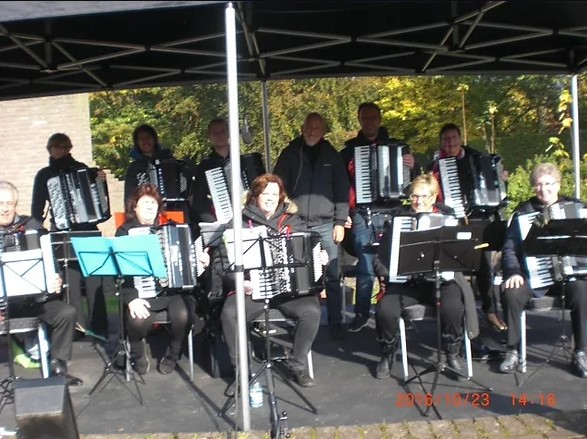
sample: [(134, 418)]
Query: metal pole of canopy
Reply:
[(575, 135), (231, 66), (266, 126)]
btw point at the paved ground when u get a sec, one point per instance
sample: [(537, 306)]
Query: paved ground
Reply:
[(351, 403)]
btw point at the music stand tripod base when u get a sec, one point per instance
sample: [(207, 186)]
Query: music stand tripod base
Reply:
[(434, 251)]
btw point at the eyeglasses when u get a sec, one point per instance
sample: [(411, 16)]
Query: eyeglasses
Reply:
[(548, 184), (9, 204), (415, 197), (61, 146)]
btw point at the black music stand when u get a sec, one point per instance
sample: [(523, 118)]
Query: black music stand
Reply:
[(64, 253), (265, 265), (450, 248), (27, 275), (559, 239), (119, 257)]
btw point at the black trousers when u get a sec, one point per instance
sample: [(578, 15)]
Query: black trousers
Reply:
[(180, 312), (97, 319), (515, 299), (59, 317), (400, 296), (484, 278), (305, 310)]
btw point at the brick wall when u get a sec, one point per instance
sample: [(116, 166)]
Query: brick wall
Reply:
[(26, 124)]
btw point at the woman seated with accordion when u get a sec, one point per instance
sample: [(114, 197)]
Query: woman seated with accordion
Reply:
[(267, 205), (145, 297), (455, 291)]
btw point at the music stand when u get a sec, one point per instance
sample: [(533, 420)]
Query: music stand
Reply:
[(119, 257), (559, 239), (452, 248), (22, 273), (260, 259)]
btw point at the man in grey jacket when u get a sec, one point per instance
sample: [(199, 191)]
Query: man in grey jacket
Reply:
[(314, 176)]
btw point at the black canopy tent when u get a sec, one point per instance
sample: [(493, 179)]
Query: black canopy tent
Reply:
[(71, 47), (51, 48)]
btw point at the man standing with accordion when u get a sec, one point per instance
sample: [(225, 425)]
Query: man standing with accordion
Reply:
[(371, 135), (61, 162), (545, 179), (48, 308)]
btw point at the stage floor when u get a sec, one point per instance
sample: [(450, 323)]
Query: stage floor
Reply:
[(346, 393)]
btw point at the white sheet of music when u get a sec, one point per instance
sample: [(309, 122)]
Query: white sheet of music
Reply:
[(252, 257)]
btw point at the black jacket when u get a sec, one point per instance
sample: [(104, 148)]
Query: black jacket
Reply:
[(136, 174), (513, 257), (320, 189), (41, 193), (202, 208)]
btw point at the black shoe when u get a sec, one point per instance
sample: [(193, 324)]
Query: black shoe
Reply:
[(301, 378), (358, 323), (337, 331), (453, 361), (139, 360), (58, 367), (167, 365), (580, 363)]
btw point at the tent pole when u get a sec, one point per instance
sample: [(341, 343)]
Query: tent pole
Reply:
[(266, 125), (231, 63), (575, 136)]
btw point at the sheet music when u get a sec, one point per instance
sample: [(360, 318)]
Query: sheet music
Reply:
[(252, 257)]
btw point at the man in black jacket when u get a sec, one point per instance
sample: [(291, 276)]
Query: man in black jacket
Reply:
[(58, 315), (362, 231), (62, 162), (451, 145), (315, 178), (202, 206)]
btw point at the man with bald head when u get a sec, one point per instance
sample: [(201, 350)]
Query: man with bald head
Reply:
[(49, 308), (314, 176)]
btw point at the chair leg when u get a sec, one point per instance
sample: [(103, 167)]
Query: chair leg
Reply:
[(522, 356), (468, 355), (43, 349), (402, 335), (191, 352), (310, 365)]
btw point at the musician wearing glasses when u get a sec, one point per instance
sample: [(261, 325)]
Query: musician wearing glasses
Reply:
[(50, 309), (314, 177), (61, 161), (143, 209), (267, 205), (455, 291), (451, 146), (546, 181), (362, 229)]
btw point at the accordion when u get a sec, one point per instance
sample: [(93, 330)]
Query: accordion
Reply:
[(78, 197), (544, 271), (219, 182), (380, 173), (167, 176), (293, 266), (401, 224), (180, 261), (472, 183)]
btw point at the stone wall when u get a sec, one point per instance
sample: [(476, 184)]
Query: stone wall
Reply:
[(26, 124)]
